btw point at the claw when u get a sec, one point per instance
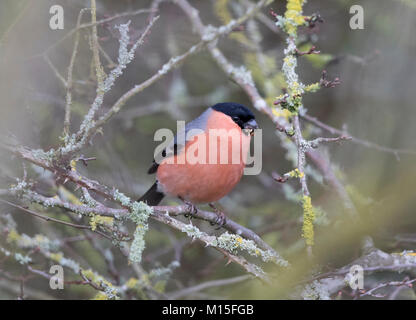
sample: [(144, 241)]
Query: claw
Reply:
[(221, 219), (191, 208)]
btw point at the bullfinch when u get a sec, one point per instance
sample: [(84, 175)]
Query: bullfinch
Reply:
[(209, 162)]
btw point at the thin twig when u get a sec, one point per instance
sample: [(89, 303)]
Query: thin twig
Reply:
[(89, 25), (46, 218), (67, 120), (55, 70), (99, 71), (356, 140)]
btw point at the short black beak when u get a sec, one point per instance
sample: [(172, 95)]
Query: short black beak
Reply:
[(251, 124)]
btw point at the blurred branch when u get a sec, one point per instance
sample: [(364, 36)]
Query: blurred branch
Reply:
[(89, 25), (19, 16), (208, 36), (362, 142), (205, 285), (405, 283), (324, 285), (182, 102), (68, 83), (55, 70), (99, 71), (241, 76), (89, 126), (46, 218), (324, 165)]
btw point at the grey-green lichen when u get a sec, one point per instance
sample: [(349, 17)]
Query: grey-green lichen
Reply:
[(164, 272), (139, 214), (109, 291), (6, 252), (47, 156), (22, 259), (233, 243), (316, 291), (192, 231), (19, 187)]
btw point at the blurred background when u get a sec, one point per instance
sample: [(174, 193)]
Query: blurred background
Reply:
[(375, 102)]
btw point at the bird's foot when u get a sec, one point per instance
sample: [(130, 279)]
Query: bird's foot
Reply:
[(191, 209), (221, 219)]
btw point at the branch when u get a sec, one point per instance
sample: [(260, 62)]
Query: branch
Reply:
[(362, 142), (46, 218), (211, 217), (99, 71), (241, 76), (89, 126), (406, 282), (325, 285), (209, 241), (68, 82), (316, 142), (159, 213), (324, 165)]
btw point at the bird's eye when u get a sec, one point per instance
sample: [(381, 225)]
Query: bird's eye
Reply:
[(236, 119)]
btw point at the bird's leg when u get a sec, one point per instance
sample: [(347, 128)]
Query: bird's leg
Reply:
[(191, 208), (221, 217)]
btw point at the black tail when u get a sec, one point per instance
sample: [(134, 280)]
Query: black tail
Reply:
[(152, 197)]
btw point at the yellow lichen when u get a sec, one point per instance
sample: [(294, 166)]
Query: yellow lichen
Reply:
[(293, 16), (13, 236), (101, 220), (223, 13), (160, 286), (285, 113), (56, 256), (100, 296), (308, 219), (73, 165), (296, 173), (131, 283), (313, 87), (96, 278)]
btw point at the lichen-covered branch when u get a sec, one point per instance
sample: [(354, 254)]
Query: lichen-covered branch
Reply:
[(325, 285), (226, 243)]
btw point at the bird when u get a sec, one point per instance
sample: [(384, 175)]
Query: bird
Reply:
[(212, 177)]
